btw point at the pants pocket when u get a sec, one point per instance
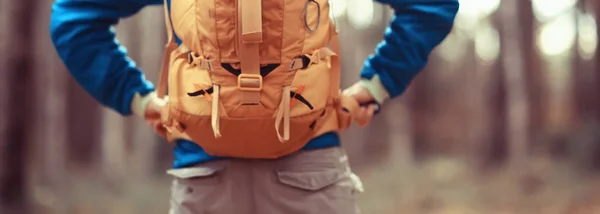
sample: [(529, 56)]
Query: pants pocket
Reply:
[(332, 183), (316, 182), (199, 189)]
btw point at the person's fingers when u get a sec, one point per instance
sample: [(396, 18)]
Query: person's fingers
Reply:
[(359, 93), (154, 109), (161, 131), (361, 117), (371, 111), (159, 128), (365, 115), (153, 120), (152, 115)]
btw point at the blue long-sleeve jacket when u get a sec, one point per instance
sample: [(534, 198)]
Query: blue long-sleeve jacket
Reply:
[(82, 33)]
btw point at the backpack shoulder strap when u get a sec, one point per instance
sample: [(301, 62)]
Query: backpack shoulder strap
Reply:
[(171, 45)]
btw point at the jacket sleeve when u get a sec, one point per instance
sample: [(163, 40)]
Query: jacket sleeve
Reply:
[(417, 27), (82, 33)]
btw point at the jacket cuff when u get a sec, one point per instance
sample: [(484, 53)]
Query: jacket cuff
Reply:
[(375, 88), (139, 103)]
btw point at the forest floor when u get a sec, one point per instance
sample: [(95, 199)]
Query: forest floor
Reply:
[(437, 186), (449, 186)]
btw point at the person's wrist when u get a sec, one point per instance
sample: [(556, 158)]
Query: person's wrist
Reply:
[(375, 89), (139, 103)]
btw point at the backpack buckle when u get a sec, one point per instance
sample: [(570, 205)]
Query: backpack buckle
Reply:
[(195, 59), (315, 58), (250, 82)]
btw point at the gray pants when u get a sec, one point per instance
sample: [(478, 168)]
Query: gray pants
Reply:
[(308, 182)]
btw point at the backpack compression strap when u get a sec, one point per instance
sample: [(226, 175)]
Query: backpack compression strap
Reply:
[(250, 80), (250, 28)]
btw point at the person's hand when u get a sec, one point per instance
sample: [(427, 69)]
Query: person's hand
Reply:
[(152, 115), (362, 95)]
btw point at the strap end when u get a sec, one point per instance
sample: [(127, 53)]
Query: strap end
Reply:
[(252, 38)]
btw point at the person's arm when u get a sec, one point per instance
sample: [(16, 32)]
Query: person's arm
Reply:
[(418, 26), (82, 33)]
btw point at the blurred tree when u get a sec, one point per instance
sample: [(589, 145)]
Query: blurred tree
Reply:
[(18, 77), (495, 153), (115, 135), (422, 110), (84, 125), (534, 78), (583, 86), (514, 68), (149, 49), (587, 98), (50, 151), (596, 91), (50, 130)]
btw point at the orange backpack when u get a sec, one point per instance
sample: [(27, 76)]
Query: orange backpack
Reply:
[(252, 78)]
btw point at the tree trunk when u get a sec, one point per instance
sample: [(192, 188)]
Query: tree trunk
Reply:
[(512, 106), (115, 132), (421, 109), (84, 119), (484, 146), (400, 132), (51, 132), (497, 150), (144, 141), (514, 70), (18, 79), (533, 75), (596, 89)]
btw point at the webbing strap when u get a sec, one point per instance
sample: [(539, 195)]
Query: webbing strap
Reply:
[(169, 48), (313, 58), (283, 114), (214, 115), (250, 28), (251, 20)]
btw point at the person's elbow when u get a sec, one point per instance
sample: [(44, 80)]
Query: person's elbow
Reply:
[(441, 19), (446, 14), (423, 23), (61, 26), (453, 6), (56, 25), (447, 10), (440, 13)]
